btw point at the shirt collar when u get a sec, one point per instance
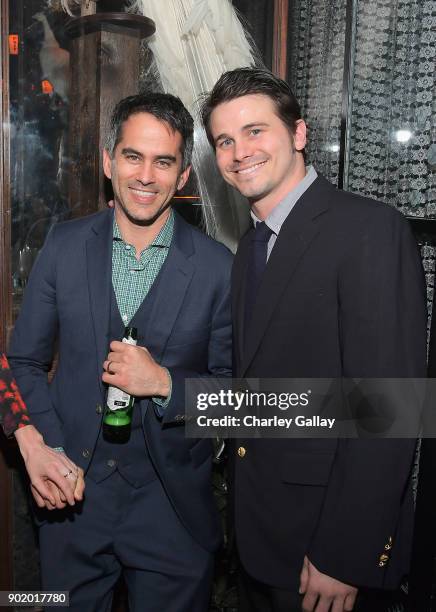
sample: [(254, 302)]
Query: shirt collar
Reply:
[(278, 215), (163, 239)]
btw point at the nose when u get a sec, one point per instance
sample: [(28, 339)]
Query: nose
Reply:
[(145, 173), (241, 150)]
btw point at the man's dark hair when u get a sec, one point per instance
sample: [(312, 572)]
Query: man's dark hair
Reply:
[(165, 107), (248, 81)]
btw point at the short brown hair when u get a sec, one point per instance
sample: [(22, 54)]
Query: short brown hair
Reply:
[(248, 81)]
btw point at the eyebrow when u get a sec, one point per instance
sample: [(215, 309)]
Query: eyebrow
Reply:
[(130, 151), (244, 128), (255, 124)]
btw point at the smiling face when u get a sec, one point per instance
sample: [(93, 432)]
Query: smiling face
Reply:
[(145, 171), (255, 150)]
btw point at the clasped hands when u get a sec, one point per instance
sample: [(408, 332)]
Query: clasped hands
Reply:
[(323, 593), (133, 369), (55, 480)]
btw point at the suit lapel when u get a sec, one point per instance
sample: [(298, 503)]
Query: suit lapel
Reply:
[(239, 279), (174, 280), (99, 267), (297, 233)]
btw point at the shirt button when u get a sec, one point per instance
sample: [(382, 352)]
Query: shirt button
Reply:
[(125, 317), (98, 409), (241, 451), (128, 247), (111, 463), (85, 453)]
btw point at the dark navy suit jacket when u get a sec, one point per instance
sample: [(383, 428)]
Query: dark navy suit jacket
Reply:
[(189, 332), (343, 295)]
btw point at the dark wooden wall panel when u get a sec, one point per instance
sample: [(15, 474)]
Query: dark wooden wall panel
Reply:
[(84, 122), (6, 574), (280, 38), (104, 69)]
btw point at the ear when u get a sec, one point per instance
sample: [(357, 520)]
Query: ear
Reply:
[(107, 164), (300, 135), (181, 181)]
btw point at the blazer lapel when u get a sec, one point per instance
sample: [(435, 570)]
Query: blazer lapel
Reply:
[(99, 266), (174, 280), (298, 231), (239, 279)]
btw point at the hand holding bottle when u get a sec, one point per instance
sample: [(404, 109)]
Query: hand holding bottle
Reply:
[(133, 369)]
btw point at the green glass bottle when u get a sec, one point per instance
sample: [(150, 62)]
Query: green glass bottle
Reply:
[(117, 420)]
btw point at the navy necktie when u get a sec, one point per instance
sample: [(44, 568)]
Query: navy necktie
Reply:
[(255, 269)]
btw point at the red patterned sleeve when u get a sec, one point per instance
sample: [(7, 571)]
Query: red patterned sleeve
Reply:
[(13, 412)]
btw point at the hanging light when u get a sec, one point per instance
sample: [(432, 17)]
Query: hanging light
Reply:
[(403, 136)]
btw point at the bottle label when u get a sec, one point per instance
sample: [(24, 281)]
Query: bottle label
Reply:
[(116, 398)]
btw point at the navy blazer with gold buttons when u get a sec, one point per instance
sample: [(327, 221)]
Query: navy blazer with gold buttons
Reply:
[(343, 295)]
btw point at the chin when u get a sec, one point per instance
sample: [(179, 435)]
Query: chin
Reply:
[(141, 218), (251, 194), (249, 190), (146, 219)]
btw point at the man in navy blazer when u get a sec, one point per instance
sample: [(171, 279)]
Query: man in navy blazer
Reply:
[(148, 509), (341, 295)]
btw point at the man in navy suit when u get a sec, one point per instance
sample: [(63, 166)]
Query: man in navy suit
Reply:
[(328, 284), (148, 510)]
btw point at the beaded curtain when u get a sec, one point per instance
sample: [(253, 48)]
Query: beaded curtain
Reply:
[(316, 64), (392, 145)]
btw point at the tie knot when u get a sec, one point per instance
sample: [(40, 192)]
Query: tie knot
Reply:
[(262, 232)]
